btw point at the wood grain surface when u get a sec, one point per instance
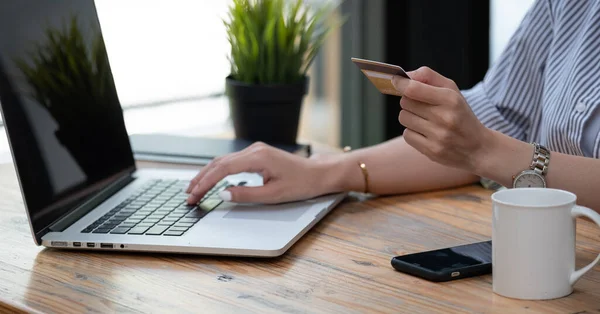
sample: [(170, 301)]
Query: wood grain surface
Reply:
[(340, 266)]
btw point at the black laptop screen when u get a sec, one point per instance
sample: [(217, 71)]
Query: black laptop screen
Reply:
[(60, 106)]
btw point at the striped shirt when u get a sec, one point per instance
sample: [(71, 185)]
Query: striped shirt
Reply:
[(545, 86)]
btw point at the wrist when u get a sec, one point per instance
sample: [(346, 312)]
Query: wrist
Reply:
[(340, 173), (502, 157), (485, 156)]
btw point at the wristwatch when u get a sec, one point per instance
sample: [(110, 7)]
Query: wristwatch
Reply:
[(535, 176)]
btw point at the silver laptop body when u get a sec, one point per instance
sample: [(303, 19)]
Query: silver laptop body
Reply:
[(73, 158)]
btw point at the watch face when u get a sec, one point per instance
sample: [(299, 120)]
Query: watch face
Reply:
[(529, 180)]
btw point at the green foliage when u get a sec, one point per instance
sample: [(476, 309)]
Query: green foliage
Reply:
[(275, 41), (66, 76)]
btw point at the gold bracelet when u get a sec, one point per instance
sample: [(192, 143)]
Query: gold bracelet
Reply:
[(363, 168)]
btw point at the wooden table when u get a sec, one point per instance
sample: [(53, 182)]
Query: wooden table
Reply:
[(341, 266)]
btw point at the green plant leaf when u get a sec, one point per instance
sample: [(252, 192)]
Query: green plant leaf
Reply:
[(275, 41)]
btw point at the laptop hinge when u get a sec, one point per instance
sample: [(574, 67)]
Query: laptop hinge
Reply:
[(63, 223)]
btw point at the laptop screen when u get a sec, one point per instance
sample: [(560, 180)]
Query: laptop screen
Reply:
[(60, 106)]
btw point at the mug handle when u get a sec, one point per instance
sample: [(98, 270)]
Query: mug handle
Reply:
[(595, 217)]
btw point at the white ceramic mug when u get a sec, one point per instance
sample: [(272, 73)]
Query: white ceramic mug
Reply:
[(533, 243)]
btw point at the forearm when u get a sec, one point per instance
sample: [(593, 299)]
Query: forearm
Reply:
[(394, 167), (507, 157)]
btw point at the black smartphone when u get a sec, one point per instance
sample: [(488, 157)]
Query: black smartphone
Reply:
[(446, 264)]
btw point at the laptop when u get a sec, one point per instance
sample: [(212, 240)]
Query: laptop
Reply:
[(74, 161)]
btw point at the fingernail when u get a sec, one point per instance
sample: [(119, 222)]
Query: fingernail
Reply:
[(225, 195), (188, 200), (400, 83), (394, 81)]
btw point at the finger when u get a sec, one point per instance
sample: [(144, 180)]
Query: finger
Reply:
[(268, 193), (206, 169), (204, 183), (416, 123), (430, 77), (429, 94), (421, 109), (209, 166), (400, 83), (197, 178), (236, 164), (416, 140)]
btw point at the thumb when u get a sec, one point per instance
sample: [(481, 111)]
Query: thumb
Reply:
[(268, 193), (430, 77)]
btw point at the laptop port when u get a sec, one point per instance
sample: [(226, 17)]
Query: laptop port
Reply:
[(90, 244), (106, 245), (76, 244), (59, 243)]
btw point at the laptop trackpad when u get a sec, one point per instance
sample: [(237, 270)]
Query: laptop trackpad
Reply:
[(279, 212)]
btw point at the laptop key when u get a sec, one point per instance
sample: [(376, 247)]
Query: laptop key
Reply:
[(87, 230), (196, 214), (192, 220), (136, 220), (176, 216), (180, 211), (173, 233), (109, 225), (138, 230), (145, 224), (210, 204), (179, 229), (102, 230), (186, 206), (120, 230), (157, 230), (127, 211), (184, 224)]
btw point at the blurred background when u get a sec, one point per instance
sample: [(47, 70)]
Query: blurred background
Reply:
[(169, 62)]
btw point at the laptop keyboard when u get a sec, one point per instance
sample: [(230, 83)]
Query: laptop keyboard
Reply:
[(158, 208)]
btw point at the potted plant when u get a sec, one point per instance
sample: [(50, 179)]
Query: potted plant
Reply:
[(273, 43)]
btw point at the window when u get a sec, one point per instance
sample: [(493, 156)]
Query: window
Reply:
[(162, 51), (167, 58)]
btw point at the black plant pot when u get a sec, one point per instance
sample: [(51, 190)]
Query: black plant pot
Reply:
[(267, 113)]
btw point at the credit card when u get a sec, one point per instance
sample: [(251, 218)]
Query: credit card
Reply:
[(381, 74)]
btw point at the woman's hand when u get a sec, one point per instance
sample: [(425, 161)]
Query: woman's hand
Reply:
[(286, 177), (439, 122)]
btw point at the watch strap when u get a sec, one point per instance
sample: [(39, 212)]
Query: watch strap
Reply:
[(541, 159)]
